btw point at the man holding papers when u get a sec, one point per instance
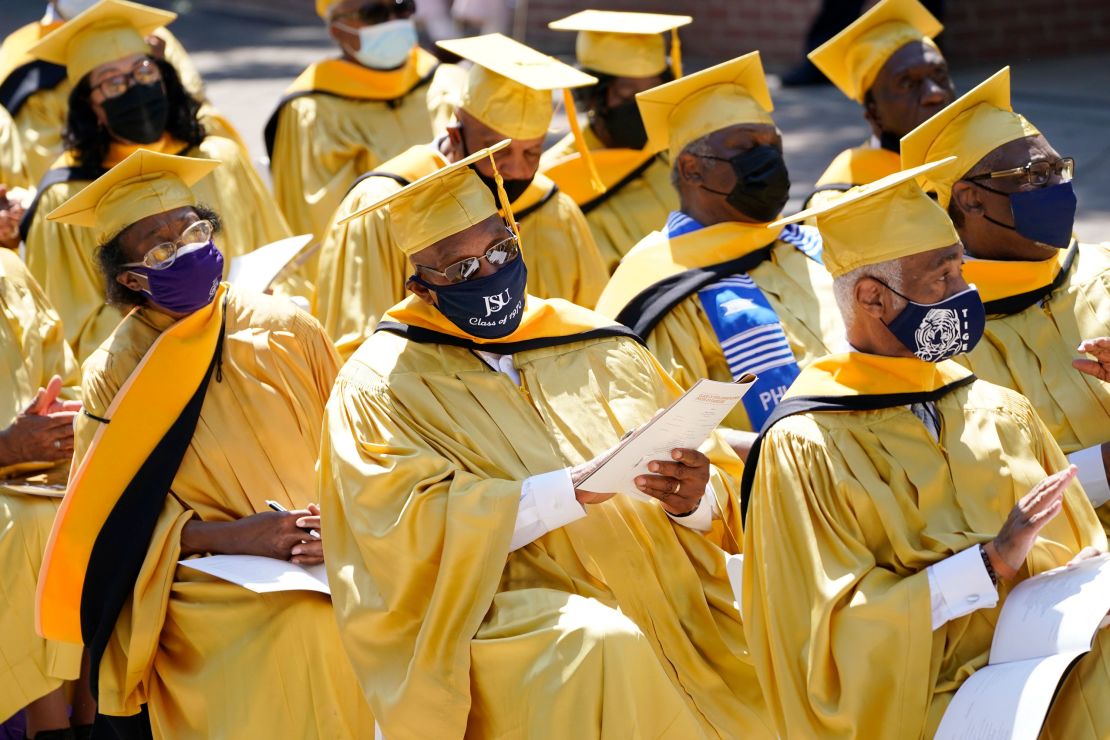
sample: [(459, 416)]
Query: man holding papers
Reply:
[(474, 591), (205, 403), (895, 498)]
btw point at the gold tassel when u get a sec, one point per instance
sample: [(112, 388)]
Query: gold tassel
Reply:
[(580, 142), (676, 54), (504, 198)]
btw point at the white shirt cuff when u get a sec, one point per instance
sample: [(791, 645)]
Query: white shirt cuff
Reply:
[(547, 502), (959, 585), (1092, 474)]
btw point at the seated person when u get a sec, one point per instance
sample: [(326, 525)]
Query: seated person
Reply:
[(895, 498), (479, 589), (124, 99), (1010, 194), (38, 387), (203, 405)]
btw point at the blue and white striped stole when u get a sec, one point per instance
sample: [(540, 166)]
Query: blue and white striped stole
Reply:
[(750, 333)]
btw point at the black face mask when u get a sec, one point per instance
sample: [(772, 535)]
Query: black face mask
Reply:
[(890, 142), (139, 115), (625, 126), (513, 188), (762, 183)]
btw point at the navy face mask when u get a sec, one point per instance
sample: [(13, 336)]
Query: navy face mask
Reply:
[(940, 331), (1044, 215), (490, 307)]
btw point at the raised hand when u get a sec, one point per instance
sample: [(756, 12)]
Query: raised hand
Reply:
[(1100, 366), (1037, 508)]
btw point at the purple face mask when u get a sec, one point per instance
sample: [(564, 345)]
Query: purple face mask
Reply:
[(190, 283)]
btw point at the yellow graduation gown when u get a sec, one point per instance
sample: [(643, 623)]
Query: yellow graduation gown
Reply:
[(210, 658), (362, 273), (62, 257), (798, 288), (40, 106), (857, 166), (638, 199), (13, 160), (338, 120), (32, 349), (423, 459), (1031, 350), (847, 511)]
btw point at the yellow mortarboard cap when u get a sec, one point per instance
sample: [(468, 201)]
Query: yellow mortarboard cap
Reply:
[(624, 44), (142, 185), (852, 58), (967, 130), (509, 89), (687, 109), (885, 220), (106, 32), (445, 202), (323, 7)]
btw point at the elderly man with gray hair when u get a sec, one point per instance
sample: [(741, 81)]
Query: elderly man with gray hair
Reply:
[(892, 493)]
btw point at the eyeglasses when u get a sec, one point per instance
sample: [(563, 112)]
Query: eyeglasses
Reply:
[(1035, 173), (372, 14), (147, 73), (501, 253), (165, 254)]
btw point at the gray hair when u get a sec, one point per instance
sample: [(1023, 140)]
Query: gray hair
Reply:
[(697, 147), (844, 287)]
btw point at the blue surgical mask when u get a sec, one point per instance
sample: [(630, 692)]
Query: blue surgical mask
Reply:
[(939, 331), (1044, 215), (384, 45), (490, 307)]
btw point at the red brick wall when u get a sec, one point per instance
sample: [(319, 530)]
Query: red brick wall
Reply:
[(975, 30), (722, 29), (1013, 30)]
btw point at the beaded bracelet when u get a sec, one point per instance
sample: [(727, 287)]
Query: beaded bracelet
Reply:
[(987, 564)]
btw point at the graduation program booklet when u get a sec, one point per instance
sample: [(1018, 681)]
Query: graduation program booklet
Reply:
[(262, 575), (686, 424), (1046, 624), (255, 270)]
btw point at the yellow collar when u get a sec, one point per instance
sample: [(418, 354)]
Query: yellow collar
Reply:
[(543, 319), (860, 166), (998, 279), (658, 257), (862, 374), (350, 80)]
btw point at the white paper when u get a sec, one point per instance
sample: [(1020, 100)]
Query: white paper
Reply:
[(256, 270), (1046, 624), (686, 424), (734, 566), (1055, 612), (1005, 702), (49, 490), (263, 575)]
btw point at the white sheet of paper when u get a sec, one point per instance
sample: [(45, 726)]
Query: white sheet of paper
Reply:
[(1008, 701), (49, 490), (686, 423), (262, 575), (1055, 612), (256, 270), (734, 567)]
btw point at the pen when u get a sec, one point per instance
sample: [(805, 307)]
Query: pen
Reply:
[(278, 507)]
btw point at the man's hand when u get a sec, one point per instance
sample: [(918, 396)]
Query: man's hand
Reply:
[(11, 213), (581, 472), (1009, 549), (38, 438), (46, 400), (679, 484), (270, 534), (1100, 366)]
